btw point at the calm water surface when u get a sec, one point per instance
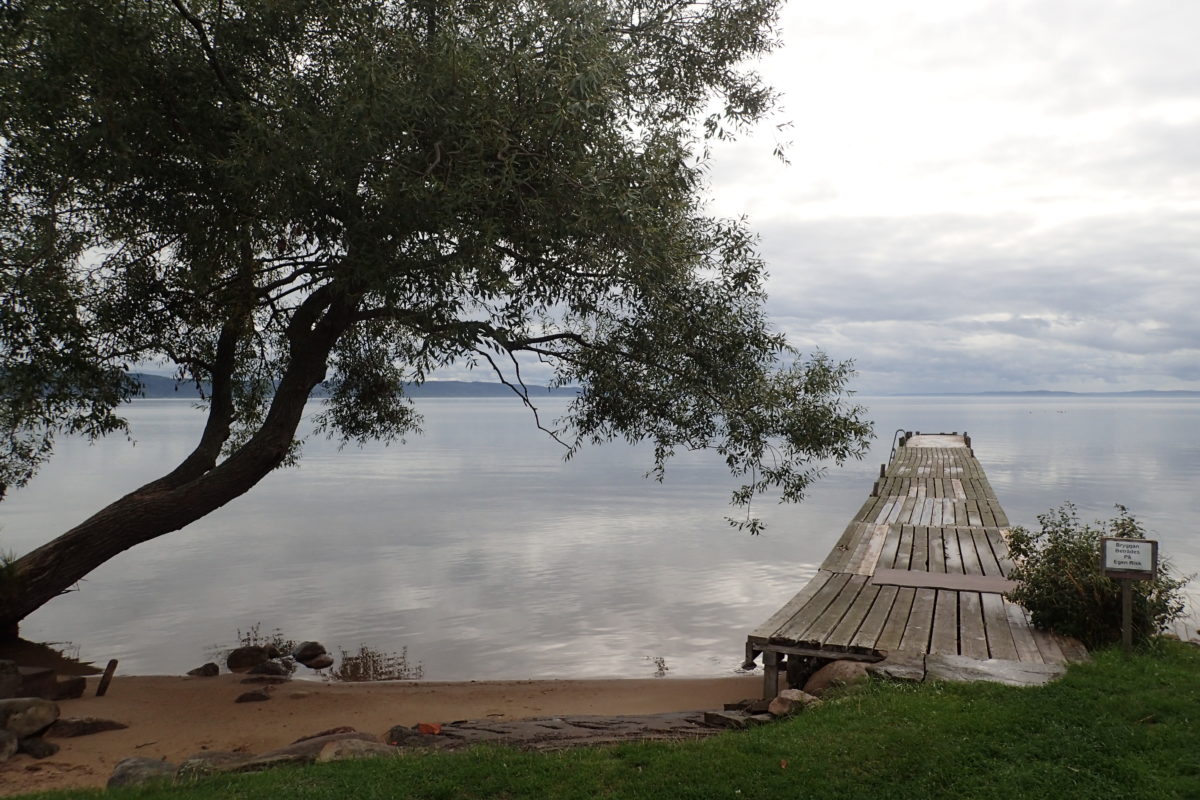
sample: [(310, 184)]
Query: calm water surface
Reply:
[(479, 550)]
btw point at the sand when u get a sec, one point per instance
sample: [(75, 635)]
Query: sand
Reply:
[(174, 717)]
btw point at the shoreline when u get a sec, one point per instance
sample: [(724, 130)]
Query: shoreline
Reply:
[(173, 717)]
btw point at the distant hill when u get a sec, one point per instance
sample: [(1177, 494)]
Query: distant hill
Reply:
[(158, 387)]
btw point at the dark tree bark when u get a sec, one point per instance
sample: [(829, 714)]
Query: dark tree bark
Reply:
[(198, 486)]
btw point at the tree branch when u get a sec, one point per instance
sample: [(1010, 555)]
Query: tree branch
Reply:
[(209, 52)]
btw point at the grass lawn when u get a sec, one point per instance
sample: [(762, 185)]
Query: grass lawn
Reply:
[(1114, 728)]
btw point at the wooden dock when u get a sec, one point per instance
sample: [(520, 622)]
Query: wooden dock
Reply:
[(921, 569)]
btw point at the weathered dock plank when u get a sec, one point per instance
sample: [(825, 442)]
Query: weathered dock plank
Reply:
[(931, 513)]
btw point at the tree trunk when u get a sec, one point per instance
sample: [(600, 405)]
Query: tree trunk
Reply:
[(160, 507)]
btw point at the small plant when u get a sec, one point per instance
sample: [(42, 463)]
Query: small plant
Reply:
[(374, 665), (254, 637), (1061, 583), (10, 585), (660, 666)]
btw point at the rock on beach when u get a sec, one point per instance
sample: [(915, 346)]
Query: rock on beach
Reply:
[(27, 716)]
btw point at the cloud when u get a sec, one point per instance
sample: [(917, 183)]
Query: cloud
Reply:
[(964, 304), (984, 194)]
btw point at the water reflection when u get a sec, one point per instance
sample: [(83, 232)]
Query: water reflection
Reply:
[(479, 548), (365, 664), (368, 664)]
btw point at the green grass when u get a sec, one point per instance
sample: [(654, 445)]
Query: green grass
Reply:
[(1115, 728)]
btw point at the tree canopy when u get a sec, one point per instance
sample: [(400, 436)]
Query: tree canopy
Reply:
[(271, 194)]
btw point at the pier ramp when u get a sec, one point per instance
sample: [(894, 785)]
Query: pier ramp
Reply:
[(921, 569)]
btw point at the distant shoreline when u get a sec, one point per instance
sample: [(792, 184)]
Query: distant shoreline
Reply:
[(158, 387)]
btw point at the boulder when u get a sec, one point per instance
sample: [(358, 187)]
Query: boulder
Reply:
[(322, 661), (211, 762), (344, 749), (783, 707), (791, 701), (10, 679), (139, 771), (802, 697), (304, 752), (270, 761), (8, 745), (252, 697), (307, 651), (271, 668), (836, 673), (209, 670), (37, 747), (404, 736), (243, 658), (69, 727), (26, 716)]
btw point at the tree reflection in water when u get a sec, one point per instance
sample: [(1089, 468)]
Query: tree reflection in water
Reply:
[(374, 665), (367, 664)]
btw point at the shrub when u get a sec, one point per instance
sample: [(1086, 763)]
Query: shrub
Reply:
[(1061, 583)]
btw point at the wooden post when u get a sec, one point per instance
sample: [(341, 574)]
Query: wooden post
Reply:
[(1127, 615), (106, 678), (1128, 560), (770, 674)]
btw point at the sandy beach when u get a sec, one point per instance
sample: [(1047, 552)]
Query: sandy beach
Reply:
[(174, 717)]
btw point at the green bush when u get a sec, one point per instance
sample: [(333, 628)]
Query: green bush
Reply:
[(1061, 583)]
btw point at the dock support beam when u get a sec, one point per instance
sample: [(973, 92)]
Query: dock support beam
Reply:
[(770, 674)]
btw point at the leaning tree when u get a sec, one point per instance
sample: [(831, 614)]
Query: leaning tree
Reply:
[(272, 195)]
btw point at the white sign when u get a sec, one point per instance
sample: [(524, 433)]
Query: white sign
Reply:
[(1139, 557)]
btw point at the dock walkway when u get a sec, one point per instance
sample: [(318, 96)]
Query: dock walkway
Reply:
[(922, 568)]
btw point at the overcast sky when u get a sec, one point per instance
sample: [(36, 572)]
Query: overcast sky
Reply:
[(984, 194)]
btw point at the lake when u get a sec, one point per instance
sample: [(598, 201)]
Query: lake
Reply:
[(477, 553)]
